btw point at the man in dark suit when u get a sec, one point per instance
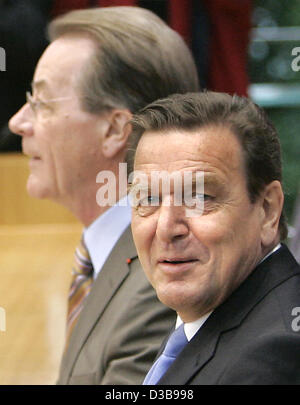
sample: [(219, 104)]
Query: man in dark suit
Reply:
[(101, 65), (212, 248), (295, 239)]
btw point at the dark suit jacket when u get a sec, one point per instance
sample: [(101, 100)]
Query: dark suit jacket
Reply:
[(251, 338), (121, 326)]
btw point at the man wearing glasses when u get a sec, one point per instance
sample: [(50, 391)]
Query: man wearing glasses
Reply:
[(101, 66)]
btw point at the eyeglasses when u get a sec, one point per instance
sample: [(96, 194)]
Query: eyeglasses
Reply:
[(35, 105)]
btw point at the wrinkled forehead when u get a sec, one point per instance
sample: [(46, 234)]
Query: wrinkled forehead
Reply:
[(181, 150), (61, 64), (210, 157)]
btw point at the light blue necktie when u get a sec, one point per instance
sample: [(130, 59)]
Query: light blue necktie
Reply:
[(175, 344)]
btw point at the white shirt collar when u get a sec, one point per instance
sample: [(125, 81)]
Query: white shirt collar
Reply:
[(191, 328), (101, 236), (272, 251)]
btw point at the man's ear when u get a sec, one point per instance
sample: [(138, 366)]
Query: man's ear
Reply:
[(272, 205), (115, 137)]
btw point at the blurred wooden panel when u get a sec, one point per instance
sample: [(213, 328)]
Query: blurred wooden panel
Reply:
[(16, 207), (35, 269)]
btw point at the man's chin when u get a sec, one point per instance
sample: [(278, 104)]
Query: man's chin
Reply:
[(173, 296), (35, 189)]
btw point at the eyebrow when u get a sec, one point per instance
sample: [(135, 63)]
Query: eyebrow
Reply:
[(39, 84), (209, 181)]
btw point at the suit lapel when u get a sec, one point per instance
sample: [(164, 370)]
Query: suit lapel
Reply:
[(111, 276), (270, 273)]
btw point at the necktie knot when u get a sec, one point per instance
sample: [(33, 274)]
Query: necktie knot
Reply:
[(82, 261), (82, 279), (176, 342)]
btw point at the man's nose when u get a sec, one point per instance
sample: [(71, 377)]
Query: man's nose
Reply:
[(20, 123), (172, 222)]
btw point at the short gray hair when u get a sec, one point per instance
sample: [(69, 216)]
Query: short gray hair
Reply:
[(138, 59)]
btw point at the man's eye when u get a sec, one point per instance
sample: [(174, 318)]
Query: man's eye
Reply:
[(147, 205), (201, 197), (40, 103), (197, 200), (150, 200), (204, 197)]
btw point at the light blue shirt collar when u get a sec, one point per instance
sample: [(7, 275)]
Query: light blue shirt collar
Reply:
[(101, 236)]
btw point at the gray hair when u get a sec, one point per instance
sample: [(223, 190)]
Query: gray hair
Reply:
[(138, 58)]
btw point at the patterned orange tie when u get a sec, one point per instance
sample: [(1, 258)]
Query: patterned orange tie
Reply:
[(82, 279)]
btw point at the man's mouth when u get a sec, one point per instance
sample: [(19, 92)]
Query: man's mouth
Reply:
[(176, 266), (34, 158), (177, 261), (31, 155)]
